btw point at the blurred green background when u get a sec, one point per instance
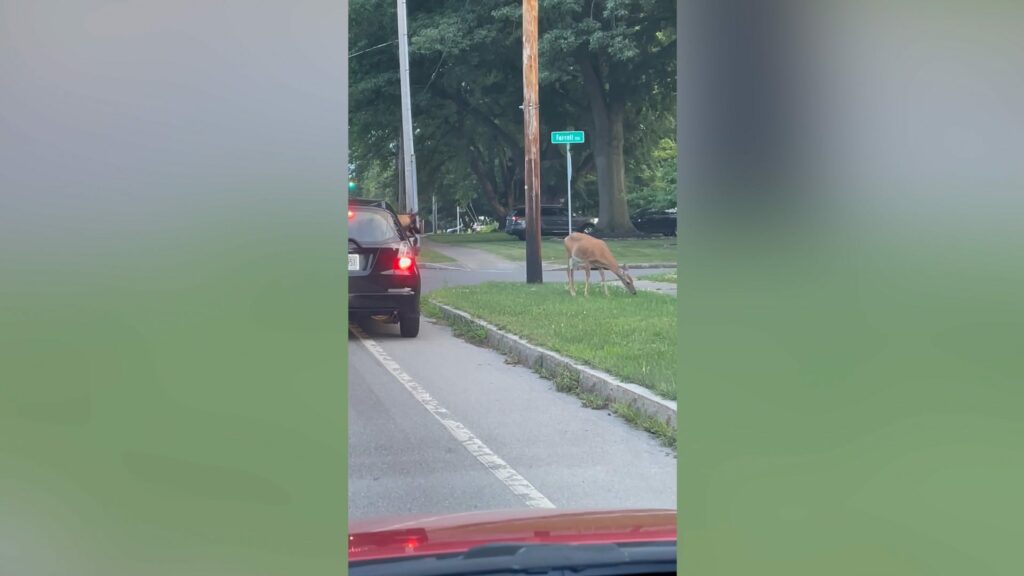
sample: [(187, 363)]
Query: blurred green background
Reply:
[(177, 404), (850, 407)]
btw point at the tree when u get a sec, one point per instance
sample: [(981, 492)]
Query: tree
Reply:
[(466, 75), (623, 54)]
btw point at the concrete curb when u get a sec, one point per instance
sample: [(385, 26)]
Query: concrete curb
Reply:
[(592, 380)]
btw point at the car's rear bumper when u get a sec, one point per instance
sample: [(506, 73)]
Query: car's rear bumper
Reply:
[(396, 301)]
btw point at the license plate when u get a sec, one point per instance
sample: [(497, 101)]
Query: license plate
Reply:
[(353, 261)]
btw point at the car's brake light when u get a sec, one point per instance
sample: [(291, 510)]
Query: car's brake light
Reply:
[(405, 260)]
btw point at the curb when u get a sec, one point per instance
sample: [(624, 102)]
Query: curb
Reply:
[(592, 380)]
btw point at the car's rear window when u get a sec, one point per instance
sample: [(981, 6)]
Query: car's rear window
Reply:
[(368, 225)]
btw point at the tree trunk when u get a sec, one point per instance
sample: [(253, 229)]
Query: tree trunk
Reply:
[(486, 179), (510, 181), (609, 157), (619, 220)]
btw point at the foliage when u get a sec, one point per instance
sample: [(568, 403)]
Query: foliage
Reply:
[(466, 78)]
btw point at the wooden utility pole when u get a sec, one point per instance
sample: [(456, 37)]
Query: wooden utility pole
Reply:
[(531, 127)]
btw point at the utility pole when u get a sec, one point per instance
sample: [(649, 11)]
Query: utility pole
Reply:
[(401, 201), (412, 200), (531, 127)]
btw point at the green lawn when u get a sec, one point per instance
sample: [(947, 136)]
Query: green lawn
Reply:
[(659, 250), (632, 337), (669, 277), (433, 256)]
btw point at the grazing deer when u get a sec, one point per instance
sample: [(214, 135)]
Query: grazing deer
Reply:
[(585, 251), (409, 223)]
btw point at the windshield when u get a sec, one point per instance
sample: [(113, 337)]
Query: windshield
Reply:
[(494, 379)]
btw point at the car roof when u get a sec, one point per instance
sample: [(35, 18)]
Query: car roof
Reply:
[(368, 202), (372, 203)]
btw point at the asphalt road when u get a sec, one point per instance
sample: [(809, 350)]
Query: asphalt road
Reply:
[(439, 426)]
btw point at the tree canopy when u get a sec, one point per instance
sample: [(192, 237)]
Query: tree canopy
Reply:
[(607, 67)]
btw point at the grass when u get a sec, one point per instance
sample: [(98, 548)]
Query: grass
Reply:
[(431, 256), (657, 250), (669, 277), (631, 337), (468, 331), (566, 382), (665, 433)]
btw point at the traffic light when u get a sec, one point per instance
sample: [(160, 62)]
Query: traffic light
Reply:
[(352, 186)]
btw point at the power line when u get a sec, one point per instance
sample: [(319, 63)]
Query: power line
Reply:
[(372, 48)]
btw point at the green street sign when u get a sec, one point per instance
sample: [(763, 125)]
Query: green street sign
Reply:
[(567, 137)]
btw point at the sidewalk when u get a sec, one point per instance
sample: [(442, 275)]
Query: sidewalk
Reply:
[(476, 260), (668, 288), (471, 258)]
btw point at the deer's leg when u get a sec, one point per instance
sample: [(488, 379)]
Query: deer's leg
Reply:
[(603, 285), (572, 277), (586, 287)]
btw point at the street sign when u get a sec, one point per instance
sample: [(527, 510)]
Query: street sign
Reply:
[(567, 137)]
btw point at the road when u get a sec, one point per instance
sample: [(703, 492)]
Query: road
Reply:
[(438, 425)]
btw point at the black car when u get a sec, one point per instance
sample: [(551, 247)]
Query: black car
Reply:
[(383, 277), (655, 221), (413, 238), (554, 221), (372, 202)]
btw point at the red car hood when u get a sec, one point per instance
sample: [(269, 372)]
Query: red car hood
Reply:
[(454, 533)]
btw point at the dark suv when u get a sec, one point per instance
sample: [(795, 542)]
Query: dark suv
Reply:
[(383, 278), (554, 221)]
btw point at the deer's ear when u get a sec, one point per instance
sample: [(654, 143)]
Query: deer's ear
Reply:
[(625, 267)]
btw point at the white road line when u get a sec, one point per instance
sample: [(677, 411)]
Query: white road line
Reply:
[(513, 480)]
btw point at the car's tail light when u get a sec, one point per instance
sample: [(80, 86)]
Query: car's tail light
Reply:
[(404, 262), (351, 214)]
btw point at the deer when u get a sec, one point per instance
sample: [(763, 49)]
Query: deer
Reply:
[(410, 225), (585, 251)]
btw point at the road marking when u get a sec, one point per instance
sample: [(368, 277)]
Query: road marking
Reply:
[(513, 480)]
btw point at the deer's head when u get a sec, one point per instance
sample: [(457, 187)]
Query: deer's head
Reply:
[(627, 280)]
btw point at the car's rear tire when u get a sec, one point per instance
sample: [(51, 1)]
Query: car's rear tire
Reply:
[(409, 325), (521, 236)]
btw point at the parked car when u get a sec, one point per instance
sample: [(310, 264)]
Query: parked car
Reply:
[(554, 221), (655, 221), (383, 276)]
